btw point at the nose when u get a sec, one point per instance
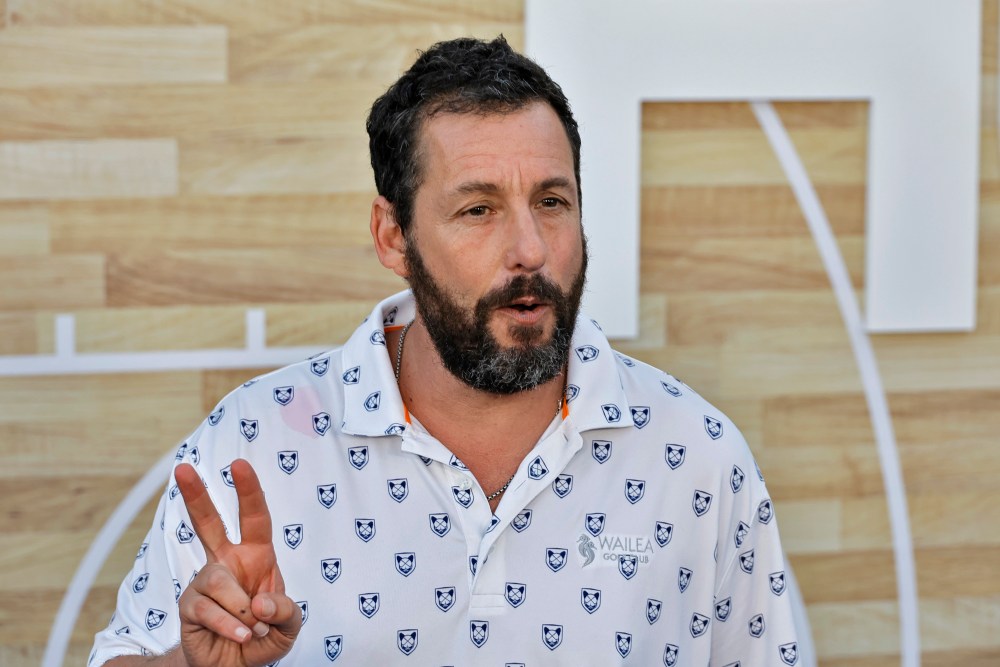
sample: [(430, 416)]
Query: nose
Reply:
[(527, 248)]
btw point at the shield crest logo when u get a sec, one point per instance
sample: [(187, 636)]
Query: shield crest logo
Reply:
[(139, 585), (625, 360), (741, 533), (555, 558), (653, 608), (562, 485), (184, 534), (789, 653), (634, 490), (365, 529), (683, 579), (155, 618), (406, 563), (537, 468), (514, 593), (663, 533), (195, 455), (572, 391), (670, 652), (248, 427), (628, 565), (746, 561), (406, 640), (587, 353), (777, 582), (594, 523), (124, 630), (675, 456), (444, 598), (293, 535), (373, 400), (764, 511), (352, 375), (713, 427), (670, 389), (640, 416), (521, 521), (462, 496), (552, 636), (330, 569), (395, 429), (722, 609), (623, 642), (377, 338), (288, 461), (601, 450), (756, 626), (699, 624), (390, 317), (368, 604), (590, 598), (494, 522), (327, 495), (612, 413), (479, 632), (142, 549), (321, 423), (440, 524), (304, 606), (320, 366), (736, 479), (174, 491), (398, 488), (283, 395), (177, 590), (701, 502), (454, 462), (358, 457), (227, 476), (216, 417), (333, 644)]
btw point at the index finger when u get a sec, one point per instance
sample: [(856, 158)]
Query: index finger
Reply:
[(255, 518), (205, 517)]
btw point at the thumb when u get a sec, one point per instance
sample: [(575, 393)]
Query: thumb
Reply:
[(279, 611)]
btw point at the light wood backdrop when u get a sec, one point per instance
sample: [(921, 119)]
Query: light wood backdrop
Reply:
[(166, 163)]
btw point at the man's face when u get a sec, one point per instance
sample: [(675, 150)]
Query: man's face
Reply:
[(495, 252)]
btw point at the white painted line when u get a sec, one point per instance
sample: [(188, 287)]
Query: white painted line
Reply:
[(864, 355), (65, 336), (152, 483), (256, 330)]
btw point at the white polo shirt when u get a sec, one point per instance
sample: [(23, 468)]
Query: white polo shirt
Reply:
[(637, 531)]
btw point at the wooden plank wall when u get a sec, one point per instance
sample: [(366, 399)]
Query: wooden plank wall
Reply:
[(166, 163)]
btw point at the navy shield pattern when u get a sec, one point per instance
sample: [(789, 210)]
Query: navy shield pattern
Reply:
[(670, 652), (181, 452), (664, 533), (440, 524), (473, 564), (184, 533), (395, 429), (248, 427), (736, 479), (572, 391), (479, 632), (304, 607), (765, 511), (701, 501), (515, 592), (288, 461), (174, 491), (142, 550), (587, 353), (634, 490), (653, 608), (283, 395), (746, 561), (777, 582), (227, 476), (552, 636), (628, 565), (358, 456), (293, 535), (377, 338), (675, 456), (670, 389), (390, 317), (713, 427), (368, 604), (398, 489), (623, 642), (365, 529), (612, 413), (601, 450), (139, 585), (321, 423), (789, 653), (330, 569), (406, 563), (333, 645), (456, 463), (155, 618), (521, 521), (320, 366), (683, 579), (216, 417), (326, 494), (723, 608), (373, 400), (555, 558), (640, 415), (756, 626), (537, 468), (195, 455), (741, 533), (462, 496), (177, 590), (444, 598), (352, 375), (590, 598), (594, 523), (562, 485), (406, 640), (699, 624)]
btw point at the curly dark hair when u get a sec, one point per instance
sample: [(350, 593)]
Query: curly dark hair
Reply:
[(462, 75)]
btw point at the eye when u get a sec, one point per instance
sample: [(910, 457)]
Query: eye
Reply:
[(477, 211), (551, 202)]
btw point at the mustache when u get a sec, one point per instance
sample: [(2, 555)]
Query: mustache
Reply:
[(536, 286)]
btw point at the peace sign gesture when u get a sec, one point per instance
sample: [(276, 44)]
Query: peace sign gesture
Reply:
[(235, 612)]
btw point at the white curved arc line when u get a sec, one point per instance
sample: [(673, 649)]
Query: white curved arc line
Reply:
[(69, 610), (864, 355)]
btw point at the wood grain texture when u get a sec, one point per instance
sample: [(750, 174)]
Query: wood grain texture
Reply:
[(46, 281), (41, 56), (102, 168)]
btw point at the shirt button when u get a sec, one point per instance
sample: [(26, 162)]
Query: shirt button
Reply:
[(465, 484)]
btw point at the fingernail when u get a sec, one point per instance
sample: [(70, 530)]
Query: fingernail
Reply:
[(242, 633), (261, 629), (268, 608)]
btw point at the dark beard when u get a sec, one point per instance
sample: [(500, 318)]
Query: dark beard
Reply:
[(470, 351)]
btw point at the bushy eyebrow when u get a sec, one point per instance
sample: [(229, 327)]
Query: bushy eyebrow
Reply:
[(485, 187)]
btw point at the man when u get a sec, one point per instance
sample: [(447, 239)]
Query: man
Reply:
[(475, 478)]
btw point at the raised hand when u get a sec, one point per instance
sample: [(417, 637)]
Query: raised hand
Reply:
[(235, 612)]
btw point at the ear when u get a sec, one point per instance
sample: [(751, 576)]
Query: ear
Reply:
[(390, 244)]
